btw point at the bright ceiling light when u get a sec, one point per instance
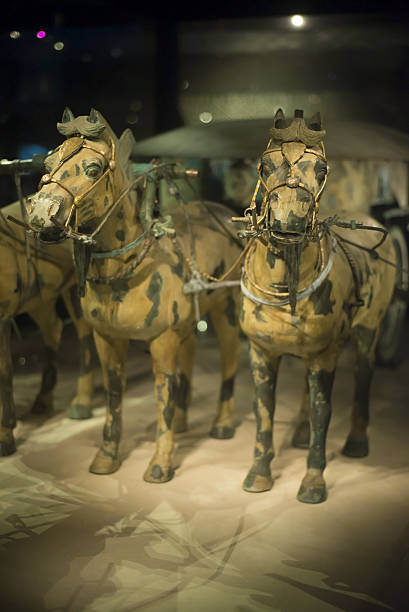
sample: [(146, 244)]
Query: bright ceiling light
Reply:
[(297, 21)]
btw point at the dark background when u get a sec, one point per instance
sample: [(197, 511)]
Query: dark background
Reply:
[(136, 62)]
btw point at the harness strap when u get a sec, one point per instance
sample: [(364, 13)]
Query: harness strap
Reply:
[(302, 294)]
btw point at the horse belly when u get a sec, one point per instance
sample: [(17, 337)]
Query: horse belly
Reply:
[(143, 313)]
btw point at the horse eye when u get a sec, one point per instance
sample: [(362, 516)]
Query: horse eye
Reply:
[(93, 171)]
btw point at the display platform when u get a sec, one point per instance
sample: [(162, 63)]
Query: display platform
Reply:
[(71, 540)]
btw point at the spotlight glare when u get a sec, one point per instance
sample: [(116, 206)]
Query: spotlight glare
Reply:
[(202, 326), (15, 34), (41, 34), (59, 45), (297, 21)]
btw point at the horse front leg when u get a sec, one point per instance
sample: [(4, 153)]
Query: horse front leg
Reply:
[(301, 437), (112, 354), (7, 409), (264, 372), (50, 326), (164, 351), (365, 339), (313, 489), (80, 407)]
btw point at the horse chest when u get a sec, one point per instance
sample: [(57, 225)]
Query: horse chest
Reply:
[(279, 332)]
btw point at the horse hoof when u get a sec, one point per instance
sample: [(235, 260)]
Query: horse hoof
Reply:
[(42, 405), (312, 495), (79, 411), (157, 473), (256, 483), (7, 447), (301, 437), (356, 447), (104, 464), (222, 432)]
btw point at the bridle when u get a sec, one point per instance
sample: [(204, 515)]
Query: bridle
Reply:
[(258, 224), (67, 150)]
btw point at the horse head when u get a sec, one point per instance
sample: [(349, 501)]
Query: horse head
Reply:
[(293, 171), (85, 175)]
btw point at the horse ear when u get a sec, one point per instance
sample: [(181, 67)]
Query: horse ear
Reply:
[(315, 122), (125, 146), (67, 115), (279, 119), (93, 116)]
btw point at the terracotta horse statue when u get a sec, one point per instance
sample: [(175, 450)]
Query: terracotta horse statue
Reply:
[(135, 277), (32, 285), (308, 286)]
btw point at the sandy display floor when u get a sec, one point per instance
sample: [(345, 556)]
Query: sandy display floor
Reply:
[(71, 540)]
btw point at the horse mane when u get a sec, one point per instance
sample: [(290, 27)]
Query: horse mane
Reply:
[(295, 129), (81, 126)]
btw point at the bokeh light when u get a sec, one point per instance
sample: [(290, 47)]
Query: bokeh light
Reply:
[(297, 21), (15, 34), (206, 117), (59, 45), (41, 34)]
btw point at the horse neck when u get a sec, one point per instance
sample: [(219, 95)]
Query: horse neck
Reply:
[(271, 268), (122, 226)]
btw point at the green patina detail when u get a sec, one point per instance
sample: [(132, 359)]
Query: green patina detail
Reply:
[(64, 175), (182, 391), (320, 386), (153, 293), (230, 311), (295, 223), (321, 298), (106, 201), (120, 214), (120, 235), (112, 431), (178, 267), (227, 388), (257, 313), (217, 273), (175, 312), (169, 408), (120, 288), (94, 312), (77, 170)]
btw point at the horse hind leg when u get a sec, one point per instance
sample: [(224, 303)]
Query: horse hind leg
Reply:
[(7, 409), (357, 444), (183, 391), (80, 407), (51, 328), (224, 317)]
